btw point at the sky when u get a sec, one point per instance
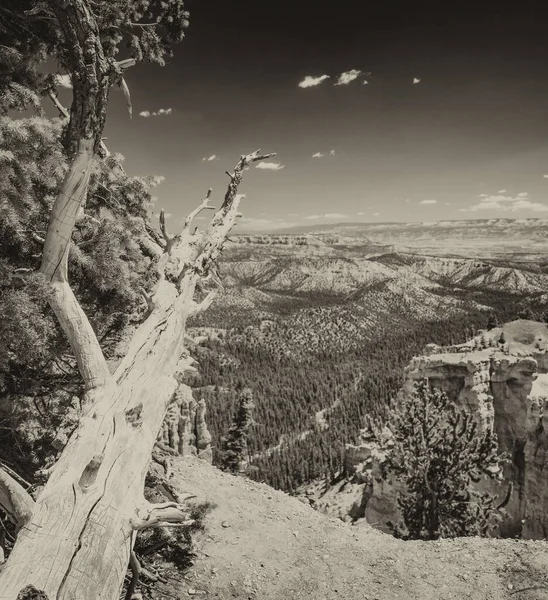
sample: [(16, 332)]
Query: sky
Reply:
[(386, 112)]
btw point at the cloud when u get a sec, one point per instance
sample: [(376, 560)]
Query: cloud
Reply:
[(519, 202), (545, 176), (168, 215), (162, 111), (501, 192), (269, 166), (311, 81), (408, 199), (447, 203), (63, 81), (428, 202), (327, 216), (376, 214), (348, 77), (528, 205), (322, 154), (416, 80), (210, 158)]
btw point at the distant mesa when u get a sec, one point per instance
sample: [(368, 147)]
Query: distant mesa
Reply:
[(491, 238)]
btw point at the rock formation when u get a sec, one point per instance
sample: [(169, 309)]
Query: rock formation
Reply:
[(506, 386), (185, 430)]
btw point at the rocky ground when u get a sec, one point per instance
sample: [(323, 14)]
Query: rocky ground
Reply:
[(262, 544)]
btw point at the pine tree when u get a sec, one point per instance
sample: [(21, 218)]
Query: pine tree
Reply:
[(492, 321), (526, 313), (109, 263), (437, 451), (234, 444)]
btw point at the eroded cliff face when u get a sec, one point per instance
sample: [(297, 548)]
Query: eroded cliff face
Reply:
[(506, 384), (185, 429)]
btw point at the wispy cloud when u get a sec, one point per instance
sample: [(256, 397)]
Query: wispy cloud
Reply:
[(519, 202), (501, 192), (545, 176), (326, 216), (322, 154), (63, 81), (428, 202), (269, 166), (376, 214), (348, 77), (162, 111), (312, 81), (210, 158)]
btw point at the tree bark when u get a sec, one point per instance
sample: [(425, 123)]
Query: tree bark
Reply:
[(74, 542), (15, 501), (77, 543)]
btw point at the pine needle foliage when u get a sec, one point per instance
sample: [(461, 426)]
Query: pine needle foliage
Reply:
[(438, 452), (234, 444)]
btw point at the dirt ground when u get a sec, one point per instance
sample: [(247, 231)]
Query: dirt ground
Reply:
[(261, 544)]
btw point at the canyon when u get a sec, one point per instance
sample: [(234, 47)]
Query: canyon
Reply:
[(501, 376)]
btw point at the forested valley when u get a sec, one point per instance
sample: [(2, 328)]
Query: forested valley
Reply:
[(310, 402)]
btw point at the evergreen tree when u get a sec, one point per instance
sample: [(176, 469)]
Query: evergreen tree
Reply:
[(234, 444), (110, 262), (526, 313), (436, 450), (492, 321)]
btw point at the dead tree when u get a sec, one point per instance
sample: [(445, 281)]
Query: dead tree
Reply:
[(74, 541)]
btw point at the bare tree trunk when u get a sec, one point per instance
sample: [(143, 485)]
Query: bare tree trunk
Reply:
[(77, 543), (74, 542)]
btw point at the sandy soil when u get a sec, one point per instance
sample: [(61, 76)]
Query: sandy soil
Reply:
[(262, 544)]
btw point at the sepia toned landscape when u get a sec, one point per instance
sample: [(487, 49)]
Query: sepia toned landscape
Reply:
[(273, 301)]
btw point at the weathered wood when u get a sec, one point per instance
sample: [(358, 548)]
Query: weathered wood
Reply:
[(77, 543), (15, 501), (68, 311)]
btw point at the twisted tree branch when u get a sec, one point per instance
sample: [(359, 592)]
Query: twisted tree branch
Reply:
[(15, 501), (164, 514)]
